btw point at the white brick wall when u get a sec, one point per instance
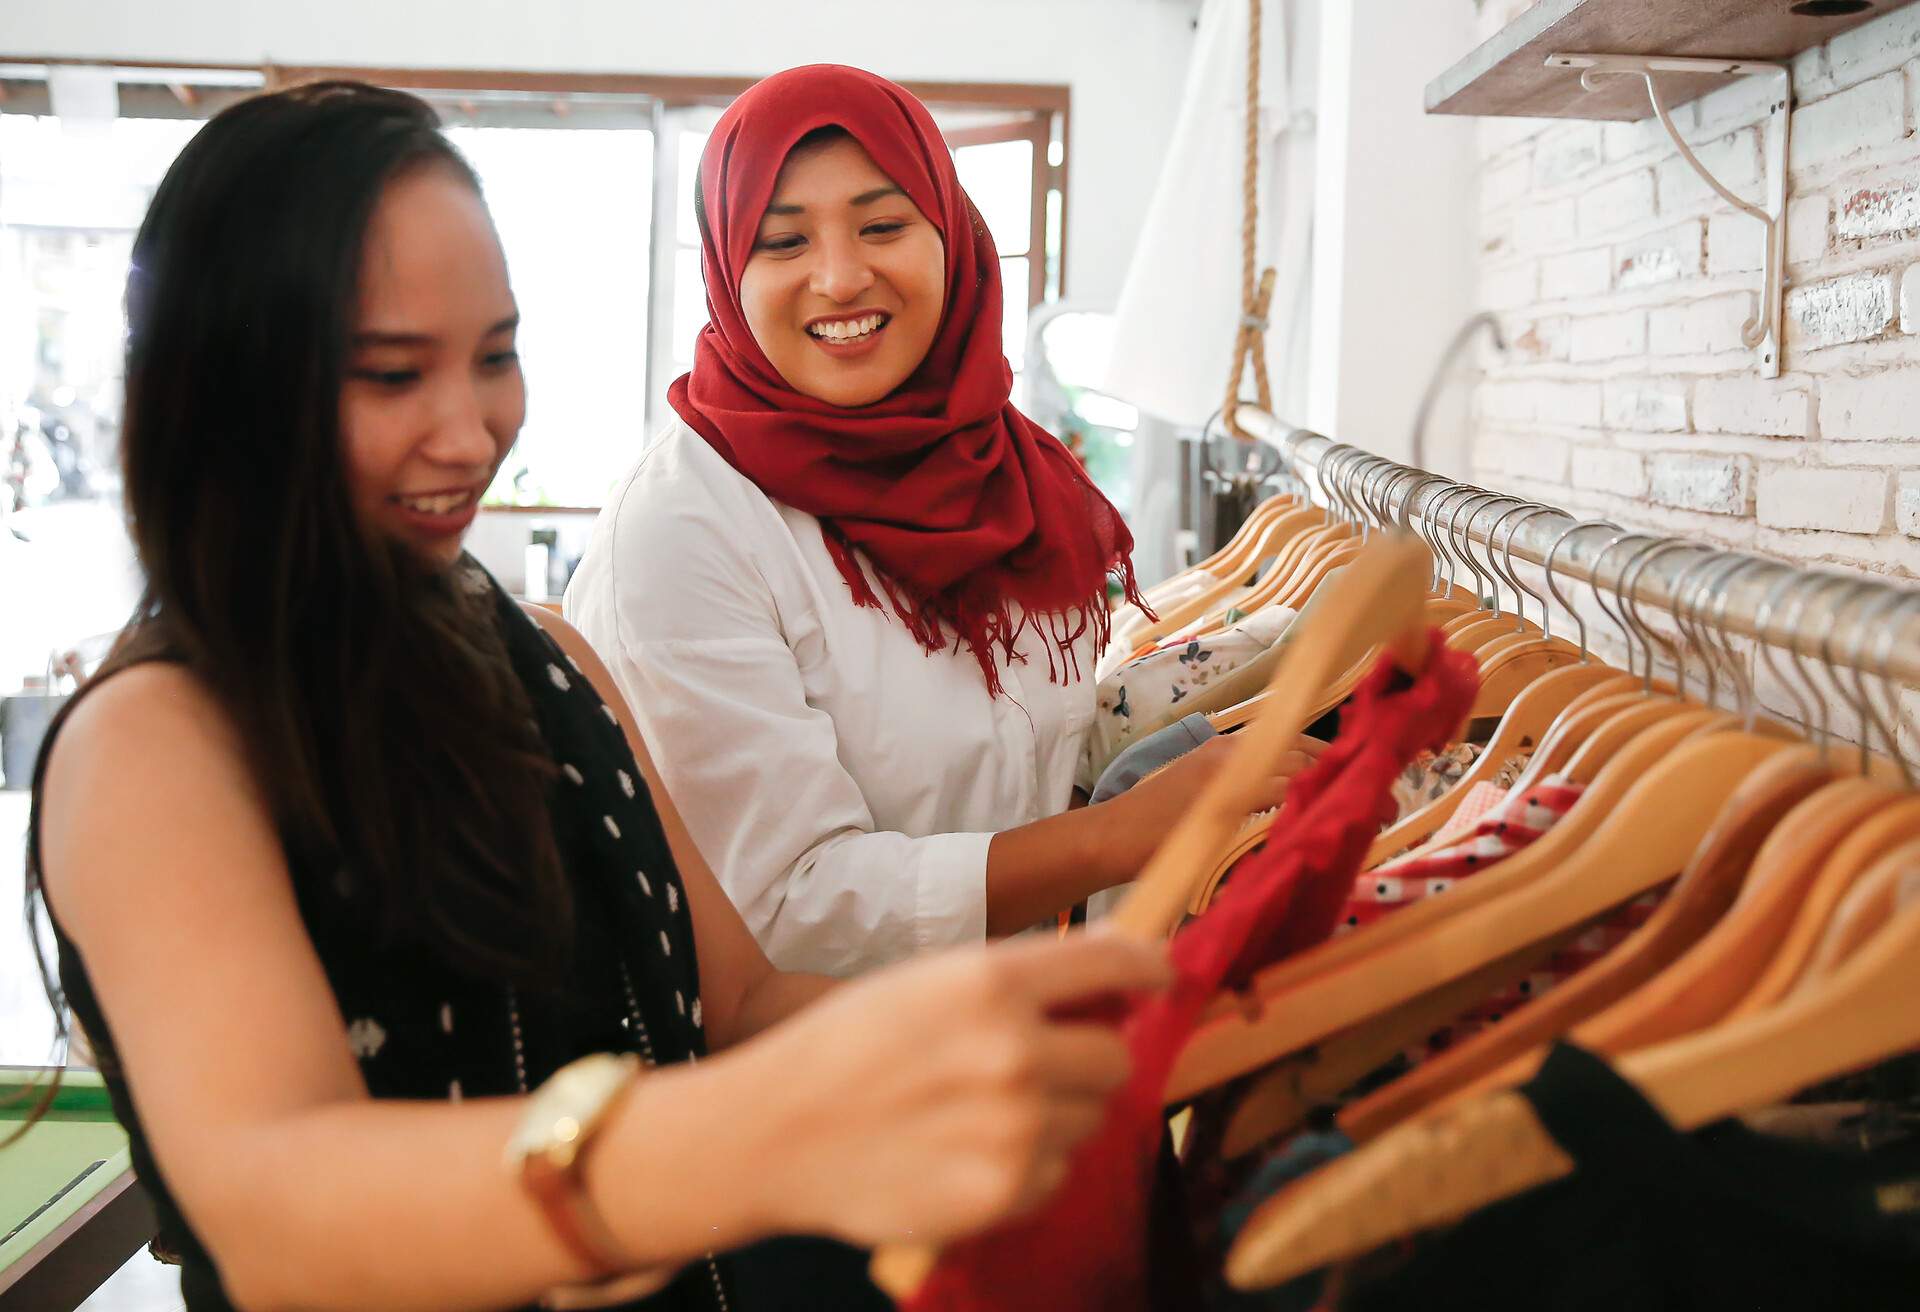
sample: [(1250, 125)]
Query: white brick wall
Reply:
[(1622, 283)]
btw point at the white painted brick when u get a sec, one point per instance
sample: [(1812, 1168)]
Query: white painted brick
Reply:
[(1498, 135), (1543, 339), (1873, 48), (1645, 405), (1625, 201), (1748, 403), (1662, 256), (1509, 288), (1906, 505), (1714, 485), (1871, 114), (1504, 183), (1812, 78), (1608, 336), (1574, 404), (1736, 243), (1885, 209), (1496, 239), (1910, 299), (1504, 402), (1565, 153), (1836, 500), (1807, 219), (1577, 273), (1849, 309), (1734, 159), (1876, 408), (1598, 469), (1538, 227), (1704, 327)]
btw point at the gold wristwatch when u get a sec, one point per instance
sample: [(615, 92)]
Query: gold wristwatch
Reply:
[(546, 1154)]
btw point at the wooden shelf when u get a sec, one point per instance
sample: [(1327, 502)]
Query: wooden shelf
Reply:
[(1508, 74)]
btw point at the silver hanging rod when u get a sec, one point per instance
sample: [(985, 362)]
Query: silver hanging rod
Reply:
[(1869, 625)]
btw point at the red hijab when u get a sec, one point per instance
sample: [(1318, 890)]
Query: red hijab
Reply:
[(967, 508)]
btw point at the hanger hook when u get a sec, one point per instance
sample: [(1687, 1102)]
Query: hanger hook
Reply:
[(1553, 587), (1441, 538), (1789, 585), (1406, 518), (1479, 499), (1494, 575), (1888, 602), (1857, 591), (1533, 510), (1897, 717), (1502, 561), (1710, 627), (1600, 589), (1630, 575)]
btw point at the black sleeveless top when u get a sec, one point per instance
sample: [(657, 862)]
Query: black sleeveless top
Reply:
[(421, 1030)]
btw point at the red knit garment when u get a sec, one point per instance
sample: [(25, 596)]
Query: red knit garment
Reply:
[(967, 508), (1086, 1249)]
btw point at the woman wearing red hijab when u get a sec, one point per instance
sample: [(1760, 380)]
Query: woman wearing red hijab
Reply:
[(853, 594)]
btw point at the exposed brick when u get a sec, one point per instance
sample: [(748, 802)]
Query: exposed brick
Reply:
[(1565, 153), (1906, 505), (1543, 339), (1646, 406), (1873, 48), (1747, 403), (1849, 309), (1539, 227), (1835, 500), (1577, 273), (1714, 485), (1885, 209), (1704, 327), (1736, 243), (1733, 159), (1659, 257), (1807, 220), (1509, 288), (1504, 402), (1599, 469), (1871, 114), (1910, 299), (1618, 204), (1876, 408), (1576, 404), (1503, 184), (1608, 336)]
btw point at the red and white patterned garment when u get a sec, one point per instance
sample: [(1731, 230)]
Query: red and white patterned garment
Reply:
[(1514, 823)]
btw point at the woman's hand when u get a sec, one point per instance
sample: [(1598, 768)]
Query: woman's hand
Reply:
[(938, 1097), (1133, 824)]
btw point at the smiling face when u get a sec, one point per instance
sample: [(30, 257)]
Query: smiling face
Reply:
[(847, 279), (433, 397)]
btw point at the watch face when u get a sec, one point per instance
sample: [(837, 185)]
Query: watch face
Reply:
[(562, 1112)]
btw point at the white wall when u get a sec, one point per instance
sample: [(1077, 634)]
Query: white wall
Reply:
[(1393, 223), (1124, 60)]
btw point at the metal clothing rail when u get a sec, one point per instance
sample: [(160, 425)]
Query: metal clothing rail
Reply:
[(1848, 621)]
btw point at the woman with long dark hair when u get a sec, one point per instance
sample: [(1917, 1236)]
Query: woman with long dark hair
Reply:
[(395, 955)]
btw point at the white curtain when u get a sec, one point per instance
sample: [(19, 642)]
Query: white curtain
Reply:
[(1179, 307)]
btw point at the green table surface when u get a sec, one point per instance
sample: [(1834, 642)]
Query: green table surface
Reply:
[(62, 1163)]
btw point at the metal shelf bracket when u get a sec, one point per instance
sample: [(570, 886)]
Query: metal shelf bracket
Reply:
[(1762, 333)]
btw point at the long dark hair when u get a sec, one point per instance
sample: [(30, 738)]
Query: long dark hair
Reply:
[(371, 690)]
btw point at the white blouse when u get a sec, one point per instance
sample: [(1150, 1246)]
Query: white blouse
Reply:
[(843, 782)]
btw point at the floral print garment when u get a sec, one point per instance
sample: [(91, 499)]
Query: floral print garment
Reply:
[(1153, 691)]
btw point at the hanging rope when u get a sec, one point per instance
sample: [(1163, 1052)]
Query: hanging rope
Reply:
[(1251, 340)]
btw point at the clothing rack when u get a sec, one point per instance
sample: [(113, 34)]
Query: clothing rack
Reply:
[(1846, 621)]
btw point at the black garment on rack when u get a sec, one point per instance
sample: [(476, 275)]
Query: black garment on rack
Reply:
[(422, 1030), (1659, 1221)]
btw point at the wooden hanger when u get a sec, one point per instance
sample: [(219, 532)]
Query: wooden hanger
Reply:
[(1600, 855), (1282, 1098), (1711, 977), (1377, 604), (1232, 560), (1870, 904), (1436, 1169), (1522, 728), (1701, 896), (1268, 545), (1351, 947)]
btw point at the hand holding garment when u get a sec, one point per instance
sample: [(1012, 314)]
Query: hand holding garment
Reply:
[(977, 520), (1086, 1247)]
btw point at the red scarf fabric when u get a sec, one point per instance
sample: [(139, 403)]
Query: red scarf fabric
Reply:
[(967, 508), (1086, 1249)]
